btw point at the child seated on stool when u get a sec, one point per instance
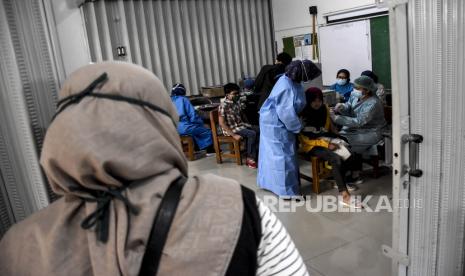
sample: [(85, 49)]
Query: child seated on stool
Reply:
[(319, 138), (233, 124)]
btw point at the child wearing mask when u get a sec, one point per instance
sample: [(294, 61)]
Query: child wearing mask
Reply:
[(343, 86), (233, 123)]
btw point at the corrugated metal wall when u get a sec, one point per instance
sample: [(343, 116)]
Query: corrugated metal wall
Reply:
[(28, 89), (437, 100), (195, 42)]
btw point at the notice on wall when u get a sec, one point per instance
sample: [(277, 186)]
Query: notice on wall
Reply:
[(299, 46), (304, 52), (300, 40)]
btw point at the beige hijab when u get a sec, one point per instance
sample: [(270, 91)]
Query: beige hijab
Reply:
[(102, 143)]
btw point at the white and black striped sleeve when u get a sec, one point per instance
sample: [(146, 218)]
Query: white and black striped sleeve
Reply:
[(277, 254)]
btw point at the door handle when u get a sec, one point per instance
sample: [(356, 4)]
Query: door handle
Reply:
[(414, 140)]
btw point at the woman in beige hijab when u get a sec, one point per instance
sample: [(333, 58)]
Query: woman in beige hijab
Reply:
[(111, 152)]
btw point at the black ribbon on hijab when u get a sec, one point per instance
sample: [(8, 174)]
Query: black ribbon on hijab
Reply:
[(100, 218), (89, 92)]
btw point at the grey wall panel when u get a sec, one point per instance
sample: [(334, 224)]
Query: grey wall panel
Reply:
[(135, 48), (424, 221), (198, 42), (143, 35), (31, 48), (6, 210), (192, 39), (26, 103), (452, 207), (92, 33), (37, 71), (436, 236)]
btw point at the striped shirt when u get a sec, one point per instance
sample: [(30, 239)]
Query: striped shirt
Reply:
[(277, 254)]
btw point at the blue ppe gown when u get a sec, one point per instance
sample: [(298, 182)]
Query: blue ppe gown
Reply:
[(190, 123), (278, 169)]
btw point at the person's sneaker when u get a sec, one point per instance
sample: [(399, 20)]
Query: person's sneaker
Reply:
[(210, 151), (354, 180), (351, 187), (200, 154), (251, 164)]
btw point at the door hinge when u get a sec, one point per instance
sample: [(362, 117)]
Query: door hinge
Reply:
[(395, 255)]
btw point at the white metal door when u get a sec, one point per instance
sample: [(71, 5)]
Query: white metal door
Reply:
[(428, 52), (400, 127)]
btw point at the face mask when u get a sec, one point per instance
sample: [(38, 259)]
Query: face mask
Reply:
[(341, 81), (356, 93), (235, 98)]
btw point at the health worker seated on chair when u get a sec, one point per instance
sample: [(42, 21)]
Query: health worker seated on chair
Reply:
[(319, 138), (362, 117), (380, 91), (190, 123), (343, 86)]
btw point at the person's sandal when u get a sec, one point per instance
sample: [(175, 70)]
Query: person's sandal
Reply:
[(354, 204)]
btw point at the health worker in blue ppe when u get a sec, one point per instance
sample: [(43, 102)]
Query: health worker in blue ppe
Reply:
[(343, 86), (278, 169), (190, 123)]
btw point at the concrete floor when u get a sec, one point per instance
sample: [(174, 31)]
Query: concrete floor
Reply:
[(331, 244)]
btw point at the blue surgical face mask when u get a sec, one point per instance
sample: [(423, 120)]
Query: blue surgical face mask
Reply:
[(356, 93), (341, 81)]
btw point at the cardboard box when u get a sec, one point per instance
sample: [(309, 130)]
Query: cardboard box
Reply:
[(212, 91)]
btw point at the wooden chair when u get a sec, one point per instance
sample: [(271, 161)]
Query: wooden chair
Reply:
[(234, 146), (188, 147), (319, 171)]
